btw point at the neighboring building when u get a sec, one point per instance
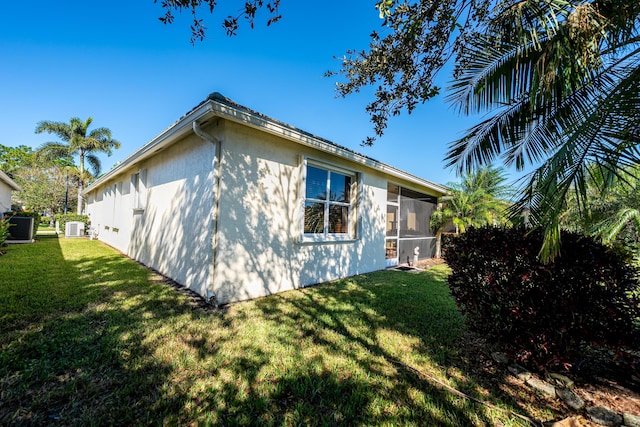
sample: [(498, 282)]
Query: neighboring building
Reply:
[(7, 185), (233, 204)]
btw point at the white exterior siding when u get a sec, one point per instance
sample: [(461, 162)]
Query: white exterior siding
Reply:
[(251, 242), (7, 185), (173, 233), (260, 229), (5, 197)]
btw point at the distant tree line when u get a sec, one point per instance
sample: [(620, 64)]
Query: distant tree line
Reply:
[(50, 178)]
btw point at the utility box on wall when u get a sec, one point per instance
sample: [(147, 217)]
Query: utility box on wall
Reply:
[(21, 228)]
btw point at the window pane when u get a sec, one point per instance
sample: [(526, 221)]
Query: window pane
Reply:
[(392, 220), (392, 192), (391, 247), (338, 219), (313, 218), (316, 183), (340, 187)]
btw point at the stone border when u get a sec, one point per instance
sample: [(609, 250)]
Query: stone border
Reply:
[(562, 389)]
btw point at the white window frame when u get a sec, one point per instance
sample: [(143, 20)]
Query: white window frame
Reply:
[(390, 262), (139, 190), (352, 222)]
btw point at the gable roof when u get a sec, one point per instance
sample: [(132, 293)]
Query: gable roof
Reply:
[(217, 105), (10, 182)]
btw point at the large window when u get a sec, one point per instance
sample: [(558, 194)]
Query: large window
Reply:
[(327, 207)]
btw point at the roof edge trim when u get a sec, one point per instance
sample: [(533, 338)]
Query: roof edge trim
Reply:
[(218, 105), (10, 182)]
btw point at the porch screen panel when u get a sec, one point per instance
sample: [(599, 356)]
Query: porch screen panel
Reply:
[(415, 214), (406, 249)]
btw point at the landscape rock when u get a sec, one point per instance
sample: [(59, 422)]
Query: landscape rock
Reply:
[(561, 380), (570, 398), (519, 372), (631, 420), (500, 357), (604, 416), (542, 386)]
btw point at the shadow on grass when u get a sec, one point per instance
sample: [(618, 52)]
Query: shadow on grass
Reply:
[(349, 341), (62, 361), (87, 339)]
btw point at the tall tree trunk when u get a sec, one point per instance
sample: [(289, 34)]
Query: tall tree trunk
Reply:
[(80, 199), (81, 183), (438, 244)]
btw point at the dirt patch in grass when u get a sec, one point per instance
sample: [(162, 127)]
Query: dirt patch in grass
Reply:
[(430, 262)]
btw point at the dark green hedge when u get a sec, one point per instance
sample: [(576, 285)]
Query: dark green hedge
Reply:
[(545, 315), (63, 219)]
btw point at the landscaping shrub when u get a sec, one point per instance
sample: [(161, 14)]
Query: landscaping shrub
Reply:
[(63, 219), (45, 220), (4, 232), (34, 215), (544, 315)]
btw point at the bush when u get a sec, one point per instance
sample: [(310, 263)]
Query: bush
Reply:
[(63, 219), (544, 315), (4, 231), (34, 215), (45, 220)]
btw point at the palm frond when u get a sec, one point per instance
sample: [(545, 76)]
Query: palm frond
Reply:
[(94, 163), (63, 130), (50, 151), (609, 228), (494, 74)]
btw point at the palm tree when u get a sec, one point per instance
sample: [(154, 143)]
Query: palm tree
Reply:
[(561, 81), (77, 141), (476, 201), (612, 212)]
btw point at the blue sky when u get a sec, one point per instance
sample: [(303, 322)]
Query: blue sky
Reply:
[(116, 62)]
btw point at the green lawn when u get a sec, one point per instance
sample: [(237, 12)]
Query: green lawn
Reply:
[(89, 337)]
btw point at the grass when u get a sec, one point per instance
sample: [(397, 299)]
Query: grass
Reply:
[(89, 337)]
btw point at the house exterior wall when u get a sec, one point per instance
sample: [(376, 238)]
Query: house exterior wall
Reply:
[(260, 250), (5, 197), (173, 232), (260, 247)]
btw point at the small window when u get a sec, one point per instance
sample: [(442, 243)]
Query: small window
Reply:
[(139, 190), (126, 189), (328, 203)]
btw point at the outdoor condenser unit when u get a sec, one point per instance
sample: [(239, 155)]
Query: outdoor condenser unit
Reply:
[(21, 228), (74, 229)]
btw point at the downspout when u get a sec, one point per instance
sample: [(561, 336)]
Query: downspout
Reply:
[(211, 295)]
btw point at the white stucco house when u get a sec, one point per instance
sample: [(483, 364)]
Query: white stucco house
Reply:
[(236, 205), (7, 185)]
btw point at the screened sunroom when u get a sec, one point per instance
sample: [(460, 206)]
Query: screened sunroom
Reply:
[(408, 232)]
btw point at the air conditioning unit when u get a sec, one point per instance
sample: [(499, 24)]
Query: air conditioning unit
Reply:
[(74, 229), (21, 228)]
